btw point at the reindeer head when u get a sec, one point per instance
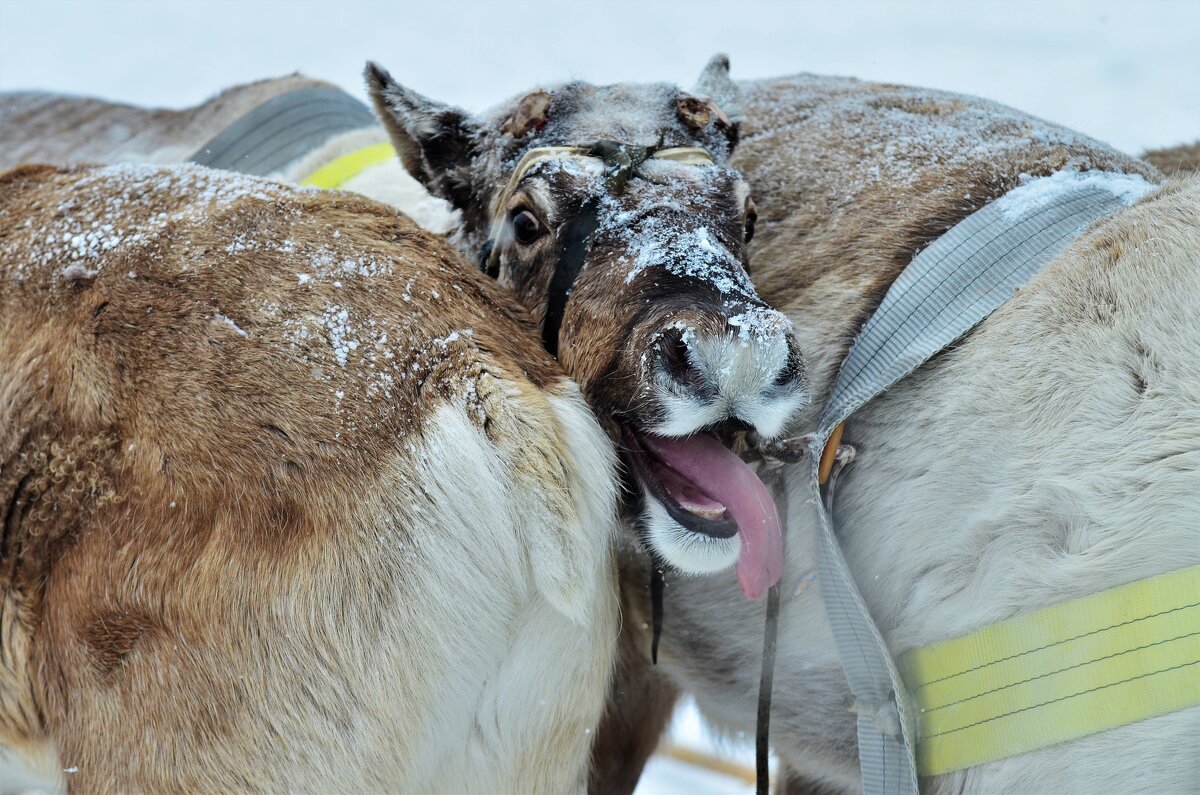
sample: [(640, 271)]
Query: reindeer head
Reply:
[(611, 212)]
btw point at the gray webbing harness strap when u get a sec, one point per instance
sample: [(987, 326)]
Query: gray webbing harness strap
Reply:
[(283, 129), (947, 289)]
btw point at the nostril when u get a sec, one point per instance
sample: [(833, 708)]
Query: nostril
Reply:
[(731, 426), (674, 357), (793, 367)]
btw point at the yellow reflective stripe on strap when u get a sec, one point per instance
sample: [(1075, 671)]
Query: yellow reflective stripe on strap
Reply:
[(1066, 671), (345, 168)]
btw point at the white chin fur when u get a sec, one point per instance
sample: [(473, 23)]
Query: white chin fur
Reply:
[(694, 553)]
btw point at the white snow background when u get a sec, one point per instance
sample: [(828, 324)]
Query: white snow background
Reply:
[(1127, 73)]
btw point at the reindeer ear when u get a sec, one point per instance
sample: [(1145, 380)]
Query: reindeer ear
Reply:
[(530, 113), (715, 84), (693, 111), (436, 142)]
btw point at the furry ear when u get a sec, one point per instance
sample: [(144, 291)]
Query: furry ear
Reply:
[(715, 83), (693, 111), (436, 142), (530, 114)]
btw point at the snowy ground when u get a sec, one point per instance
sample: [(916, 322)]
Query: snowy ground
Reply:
[(666, 776), (1126, 73)]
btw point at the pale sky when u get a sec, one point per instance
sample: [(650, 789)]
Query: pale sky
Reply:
[(1126, 73)]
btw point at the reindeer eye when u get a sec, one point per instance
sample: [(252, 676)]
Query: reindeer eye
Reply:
[(751, 220), (526, 227)]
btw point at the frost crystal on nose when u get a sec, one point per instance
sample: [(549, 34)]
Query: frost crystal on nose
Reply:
[(759, 323), (689, 253)]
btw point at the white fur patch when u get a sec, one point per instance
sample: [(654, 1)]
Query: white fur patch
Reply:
[(391, 184), (688, 551), (507, 605), (591, 466), (36, 774)]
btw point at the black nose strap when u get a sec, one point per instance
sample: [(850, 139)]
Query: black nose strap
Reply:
[(571, 252)]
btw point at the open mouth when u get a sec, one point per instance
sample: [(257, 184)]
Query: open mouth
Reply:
[(685, 500), (709, 491)]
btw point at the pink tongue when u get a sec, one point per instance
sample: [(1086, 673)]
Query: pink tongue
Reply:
[(686, 493), (716, 471)]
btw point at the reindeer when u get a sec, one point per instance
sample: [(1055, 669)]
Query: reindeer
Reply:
[(292, 500), (854, 179), (1048, 455), (612, 214)]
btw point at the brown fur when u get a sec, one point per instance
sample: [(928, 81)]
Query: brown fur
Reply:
[(853, 179), (1181, 159), (205, 505)]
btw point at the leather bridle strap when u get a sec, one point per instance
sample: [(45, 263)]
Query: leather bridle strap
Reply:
[(571, 253), (766, 684)]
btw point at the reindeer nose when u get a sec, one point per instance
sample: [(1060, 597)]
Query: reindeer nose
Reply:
[(744, 368)]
